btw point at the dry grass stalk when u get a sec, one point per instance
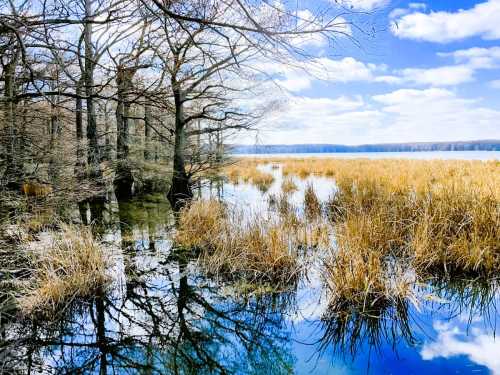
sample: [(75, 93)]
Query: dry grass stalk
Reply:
[(73, 266), (247, 246), (312, 205), (288, 186)]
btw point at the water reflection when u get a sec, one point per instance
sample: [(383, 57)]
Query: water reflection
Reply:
[(166, 321), (161, 316)]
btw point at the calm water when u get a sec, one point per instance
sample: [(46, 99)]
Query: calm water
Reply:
[(452, 155), (162, 316)]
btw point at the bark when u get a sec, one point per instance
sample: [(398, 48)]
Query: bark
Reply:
[(107, 144), (124, 180), (80, 159), (55, 132), (180, 189), (14, 170), (92, 138), (147, 132)]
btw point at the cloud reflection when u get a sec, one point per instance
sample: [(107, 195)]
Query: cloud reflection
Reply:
[(477, 345)]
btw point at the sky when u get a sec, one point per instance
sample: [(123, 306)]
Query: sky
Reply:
[(431, 72)]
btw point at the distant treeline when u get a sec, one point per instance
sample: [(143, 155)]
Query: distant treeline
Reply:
[(486, 145)]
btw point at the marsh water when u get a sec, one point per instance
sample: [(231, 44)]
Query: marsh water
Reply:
[(161, 315)]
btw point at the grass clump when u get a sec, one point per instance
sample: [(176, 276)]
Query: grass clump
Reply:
[(247, 171), (312, 205), (288, 186), (241, 245), (72, 266), (358, 275), (201, 224)]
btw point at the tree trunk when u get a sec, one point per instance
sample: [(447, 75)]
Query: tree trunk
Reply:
[(124, 180), (107, 144), (80, 159), (55, 131), (180, 189), (13, 171), (147, 131), (92, 139)]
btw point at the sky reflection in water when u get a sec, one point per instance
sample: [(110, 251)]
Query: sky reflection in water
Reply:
[(161, 316)]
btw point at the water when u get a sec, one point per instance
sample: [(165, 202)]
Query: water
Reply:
[(162, 316), (426, 155)]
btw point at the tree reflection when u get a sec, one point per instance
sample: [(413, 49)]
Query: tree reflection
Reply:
[(171, 321)]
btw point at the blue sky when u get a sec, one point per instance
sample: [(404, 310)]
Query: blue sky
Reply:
[(430, 73)]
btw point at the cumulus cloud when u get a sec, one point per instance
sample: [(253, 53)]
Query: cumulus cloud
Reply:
[(477, 58), (437, 114), (443, 27), (404, 115), (320, 120), (441, 76), (468, 61), (298, 76)]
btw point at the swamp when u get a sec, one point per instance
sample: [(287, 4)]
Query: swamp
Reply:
[(249, 187), (346, 272)]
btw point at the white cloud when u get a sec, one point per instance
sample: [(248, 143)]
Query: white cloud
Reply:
[(421, 6), (319, 120), (297, 76), (365, 5), (436, 114), (495, 84), (477, 58), (347, 69), (443, 27), (468, 62), (441, 76), (405, 115), (478, 346)]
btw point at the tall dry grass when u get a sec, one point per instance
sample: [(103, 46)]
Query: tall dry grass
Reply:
[(247, 171), (72, 266), (433, 217), (288, 186), (312, 205), (443, 214), (253, 247)]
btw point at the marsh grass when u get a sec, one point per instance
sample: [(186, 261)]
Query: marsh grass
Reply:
[(312, 205), (443, 215), (248, 246), (231, 245), (397, 223), (71, 266), (249, 172), (288, 186)]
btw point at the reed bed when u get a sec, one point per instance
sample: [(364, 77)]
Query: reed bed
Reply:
[(71, 266), (312, 205), (433, 217), (444, 215), (288, 186), (248, 172), (251, 247)]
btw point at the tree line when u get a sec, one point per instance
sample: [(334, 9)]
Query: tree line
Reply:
[(485, 145)]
